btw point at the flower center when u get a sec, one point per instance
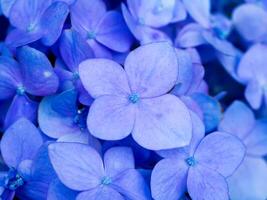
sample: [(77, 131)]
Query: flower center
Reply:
[(13, 180), (91, 35), (75, 76), (20, 90), (106, 180), (191, 161), (220, 33), (30, 27), (134, 98)]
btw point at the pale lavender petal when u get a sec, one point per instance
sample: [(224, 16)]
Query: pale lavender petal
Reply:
[(146, 65), (204, 183), (117, 160), (198, 133), (249, 181), (254, 94), (190, 36), (251, 66), (111, 117), (21, 141), (238, 120), (220, 152), (131, 185), (162, 123), (103, 77), (100, 193), (257, 18), (256, 141), (74, 167), (199, 11), (168, 179)]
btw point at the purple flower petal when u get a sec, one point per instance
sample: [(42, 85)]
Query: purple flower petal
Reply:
[(103, 193), (199, 11), (251, 66), (221, 152), (190, 36), (131, 185), (143, 33), (248, 182), (146, 65), (103, 77), (179, 12), (52, 22), (74, 167), (185, 152), (85, 15), (168, 179), (16, 37), (203, 183), (25, 15), (112, 29), (54, 124), (256, 141), (21, 106), (38, 75), (162, 123), (111, 117), (238, 120), (117, 160), (254, 94), (10, 77), (21, 141), (74, 49)]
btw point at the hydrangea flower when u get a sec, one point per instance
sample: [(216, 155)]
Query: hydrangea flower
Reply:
[(144, 17), (135, 100), (44, 21), (29, 173), (101, 28), (114, 177), (200, 168), (33, 75), (73, 50), (239, 120)]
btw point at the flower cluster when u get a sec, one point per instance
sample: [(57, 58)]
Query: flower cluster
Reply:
[(133, 99)]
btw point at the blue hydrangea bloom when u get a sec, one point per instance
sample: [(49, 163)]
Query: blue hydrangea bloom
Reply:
[(42, 21), (135, 99), (113, 177), (101, 28), (30, 172), (33, 75), (206, 161)]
